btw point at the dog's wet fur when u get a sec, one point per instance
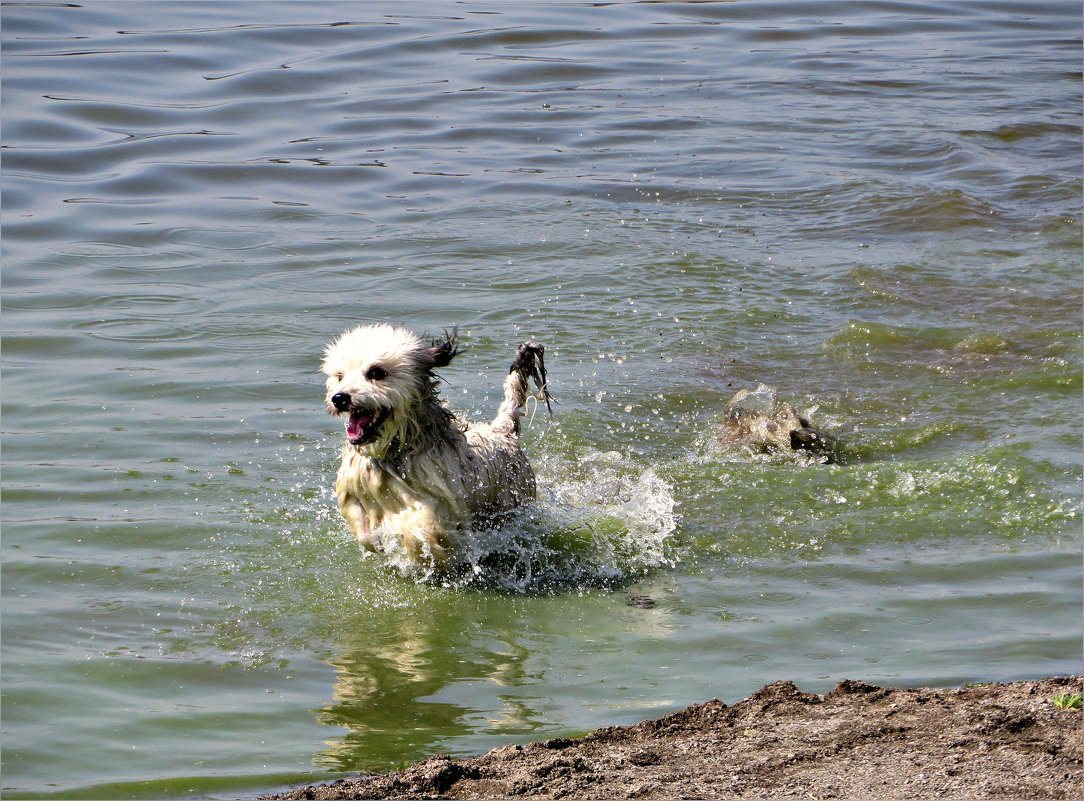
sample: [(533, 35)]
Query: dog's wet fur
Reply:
[(761, 422), (413, 475)]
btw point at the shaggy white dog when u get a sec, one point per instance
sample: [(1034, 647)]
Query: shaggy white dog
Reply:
[(411, 471)]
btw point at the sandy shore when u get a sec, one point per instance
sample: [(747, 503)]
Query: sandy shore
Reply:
[(1007, 741)]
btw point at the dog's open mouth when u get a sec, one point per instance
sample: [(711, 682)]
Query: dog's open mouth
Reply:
[(363, 425)]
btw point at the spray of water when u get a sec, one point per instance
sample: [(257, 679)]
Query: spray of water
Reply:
[(597, 530)]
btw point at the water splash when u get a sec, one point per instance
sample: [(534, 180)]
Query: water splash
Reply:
[(601, 528)]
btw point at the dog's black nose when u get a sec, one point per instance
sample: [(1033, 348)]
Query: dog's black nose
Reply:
[(341, 401)]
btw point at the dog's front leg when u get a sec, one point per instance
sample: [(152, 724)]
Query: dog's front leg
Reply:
[(357, 519), (423, 532)]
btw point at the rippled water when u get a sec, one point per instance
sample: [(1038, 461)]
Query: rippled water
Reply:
[(873, 207)]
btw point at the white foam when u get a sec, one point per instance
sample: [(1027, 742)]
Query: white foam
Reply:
[(611, 523)]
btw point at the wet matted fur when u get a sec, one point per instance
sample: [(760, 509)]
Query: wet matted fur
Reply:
[(759, 421), (412, 473)]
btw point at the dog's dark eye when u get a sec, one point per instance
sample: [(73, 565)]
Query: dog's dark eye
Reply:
[(376, 373)]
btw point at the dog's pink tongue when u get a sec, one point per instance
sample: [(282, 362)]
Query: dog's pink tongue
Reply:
[(357, 422)]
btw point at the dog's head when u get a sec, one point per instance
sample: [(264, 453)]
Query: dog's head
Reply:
[(378, 375)]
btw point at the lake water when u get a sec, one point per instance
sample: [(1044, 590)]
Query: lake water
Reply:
[(875, 208)]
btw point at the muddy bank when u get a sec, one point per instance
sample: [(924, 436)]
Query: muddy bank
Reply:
[(857, 741)]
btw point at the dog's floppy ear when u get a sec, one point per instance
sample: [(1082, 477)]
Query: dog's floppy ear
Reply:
[(443, 350)]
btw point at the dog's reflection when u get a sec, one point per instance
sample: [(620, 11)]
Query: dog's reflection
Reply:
[(417, 677), (400, 690)]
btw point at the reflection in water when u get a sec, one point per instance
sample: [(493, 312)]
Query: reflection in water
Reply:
[(380, 685), (386, 686), (414, 677)]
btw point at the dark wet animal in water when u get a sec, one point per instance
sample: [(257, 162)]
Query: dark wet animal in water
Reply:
[(759, 421)]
